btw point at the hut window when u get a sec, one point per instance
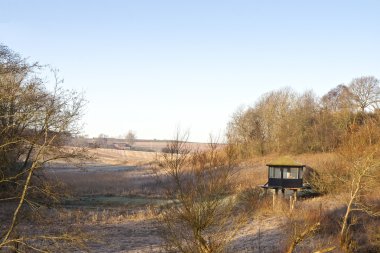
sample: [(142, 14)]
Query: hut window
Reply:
[(301, 173), (291, 173), (277, 173), (274, 172), (271, 172)]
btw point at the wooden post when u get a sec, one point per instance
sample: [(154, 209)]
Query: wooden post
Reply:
[(274, 197), (291, 203), (293, 200)]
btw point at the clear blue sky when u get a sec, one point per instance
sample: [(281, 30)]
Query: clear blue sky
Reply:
[(151, 66)]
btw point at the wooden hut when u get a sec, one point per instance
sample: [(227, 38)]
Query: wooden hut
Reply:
[(285, 173)]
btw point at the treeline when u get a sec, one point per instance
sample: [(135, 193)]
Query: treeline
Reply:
[(284, 121)]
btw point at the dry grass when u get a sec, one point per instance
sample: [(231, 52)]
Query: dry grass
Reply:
[(159, 145), (123, 157), (126, 173), (107, 216), (112, 172), (127, 181)]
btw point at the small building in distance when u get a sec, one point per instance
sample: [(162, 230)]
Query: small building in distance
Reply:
[(122, 146), (285, 173)]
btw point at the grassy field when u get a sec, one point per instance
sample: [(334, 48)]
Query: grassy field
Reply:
[(118, 191), (115, 199)]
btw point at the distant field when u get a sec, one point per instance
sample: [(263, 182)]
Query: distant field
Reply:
[(159, 145), (110, 172), (138, 145), (116, 156), (151, 150)]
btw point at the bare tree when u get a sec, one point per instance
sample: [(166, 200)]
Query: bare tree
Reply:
[(338, 99), (284, 121), (361, 156), (130, 137), (102, 141), (365, 92), (274, 108), (299, 236), (34, 124), (281, 121), (297, 134), (201, 218), (247, 131)]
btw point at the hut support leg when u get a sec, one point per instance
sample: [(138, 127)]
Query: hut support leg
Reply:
[(291, 203), (293, 200), (274, 198)]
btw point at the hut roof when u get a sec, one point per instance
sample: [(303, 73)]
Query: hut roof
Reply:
[(285, 161)]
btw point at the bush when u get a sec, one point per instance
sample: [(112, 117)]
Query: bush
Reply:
[(251, 199)]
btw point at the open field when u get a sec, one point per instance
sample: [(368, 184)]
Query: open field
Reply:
[(159, 145), (115, 201), (115, 156), (116, 198)]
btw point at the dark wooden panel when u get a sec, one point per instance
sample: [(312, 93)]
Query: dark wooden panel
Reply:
[(285, 183)]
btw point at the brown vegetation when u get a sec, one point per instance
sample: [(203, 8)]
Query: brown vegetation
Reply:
[(34, 124), (286, 122), (202, 218)]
